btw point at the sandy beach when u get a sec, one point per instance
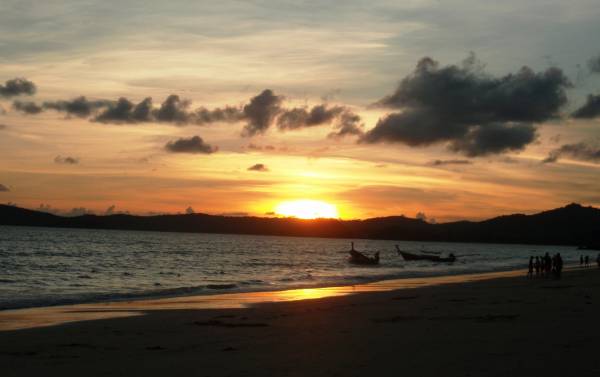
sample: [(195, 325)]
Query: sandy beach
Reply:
[(488, 325)]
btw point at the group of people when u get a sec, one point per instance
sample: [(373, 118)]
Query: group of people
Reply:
[(585, 261), (546, 266)]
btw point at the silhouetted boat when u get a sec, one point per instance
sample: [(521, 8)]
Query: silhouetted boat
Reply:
[(356, 257), (433, 258)]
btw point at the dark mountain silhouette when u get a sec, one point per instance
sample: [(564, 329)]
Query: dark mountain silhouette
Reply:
[(570, 225)]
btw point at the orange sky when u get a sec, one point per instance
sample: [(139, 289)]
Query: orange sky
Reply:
[(329, 62)]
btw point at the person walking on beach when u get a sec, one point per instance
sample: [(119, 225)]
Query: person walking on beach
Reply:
[(530, 271), (558, 265), (587, 260), (598, 260), (537, 266), (581, 260), (547, 264)]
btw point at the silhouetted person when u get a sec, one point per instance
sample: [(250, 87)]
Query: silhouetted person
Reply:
[(581, 261), (537, 266), (530, 271), (587, 260), (558, 265), (598, 260), (547, 264), (354, 253)]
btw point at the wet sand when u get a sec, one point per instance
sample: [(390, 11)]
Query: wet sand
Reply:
[(480, 325)]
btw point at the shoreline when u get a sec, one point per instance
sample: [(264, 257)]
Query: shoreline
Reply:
[(224, 289), (487, 326), (32, 317)]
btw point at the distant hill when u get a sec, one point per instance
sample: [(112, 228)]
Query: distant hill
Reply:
[(569, 225)]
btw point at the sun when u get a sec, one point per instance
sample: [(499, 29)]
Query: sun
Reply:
[(307, 209)]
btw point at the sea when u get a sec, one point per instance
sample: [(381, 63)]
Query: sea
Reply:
[(55, 266)]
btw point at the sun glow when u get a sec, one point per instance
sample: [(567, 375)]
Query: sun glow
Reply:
[(307, 209)]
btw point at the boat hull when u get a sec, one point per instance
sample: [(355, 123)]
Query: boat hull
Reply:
[(433, 258)]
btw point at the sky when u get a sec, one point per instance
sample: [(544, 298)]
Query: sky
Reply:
[(453, 110)]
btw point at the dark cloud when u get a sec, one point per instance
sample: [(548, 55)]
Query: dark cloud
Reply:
[(594, 64), (260, 112), (495, 138), (345, 121), (458, 104), (17, 87), (258, 167), (80, 106), (348, 124), (173, 110), (591, 109), (450, 162), (67, 160), (228, 114), (3, 188), (189, 210), (125, 111), (27, 107), (194, 144), (300, 117), (578, 151)]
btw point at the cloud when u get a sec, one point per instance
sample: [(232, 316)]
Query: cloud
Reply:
[(17, 87), (591, 109), (260, 112), (189, 210), (594, 64), (495, 138), (464, 106), (300, 117), (173, 110), (450, 162), (194, 144), (66, 160), (125, 111), (578, 151), (258, 167), (27, 107), (80, 106), (227, 114), (348, 124), (255, 147), (3, 188), (110, 210)]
